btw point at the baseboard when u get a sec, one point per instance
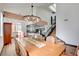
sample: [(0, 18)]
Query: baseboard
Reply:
[(71, 45), (67, 43)]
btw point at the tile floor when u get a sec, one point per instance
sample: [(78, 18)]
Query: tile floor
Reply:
[(9, 50)]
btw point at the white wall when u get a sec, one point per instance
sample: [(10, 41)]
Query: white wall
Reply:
[(68, 31), (44, 14), (1, 31), (15, 23)]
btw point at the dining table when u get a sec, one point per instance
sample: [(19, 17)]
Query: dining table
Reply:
[(49, 49)]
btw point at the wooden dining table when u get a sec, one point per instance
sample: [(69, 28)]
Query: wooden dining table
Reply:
[(48, 50)]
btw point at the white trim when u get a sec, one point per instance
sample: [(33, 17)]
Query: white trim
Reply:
[(1, 31)]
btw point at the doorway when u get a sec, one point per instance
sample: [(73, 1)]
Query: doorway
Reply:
[(7, 32)]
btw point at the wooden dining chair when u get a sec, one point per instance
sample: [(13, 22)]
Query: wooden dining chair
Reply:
[(51, 39), (77, 51), (20, 49), (23, 51)]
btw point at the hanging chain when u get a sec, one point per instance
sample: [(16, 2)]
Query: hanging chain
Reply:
[(32, 8)]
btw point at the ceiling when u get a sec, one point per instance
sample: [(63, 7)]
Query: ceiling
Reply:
[(23, 8)]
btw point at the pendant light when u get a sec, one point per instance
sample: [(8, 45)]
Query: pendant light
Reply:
[(32, 17)]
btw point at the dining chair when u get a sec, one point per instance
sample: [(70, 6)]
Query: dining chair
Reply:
[(51, 39), (20, 49), (23, 51), (77, 50)]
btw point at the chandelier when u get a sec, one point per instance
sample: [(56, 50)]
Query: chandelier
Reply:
[(32, 17)]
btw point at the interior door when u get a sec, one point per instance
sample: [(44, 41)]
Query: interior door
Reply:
[(7, 33)]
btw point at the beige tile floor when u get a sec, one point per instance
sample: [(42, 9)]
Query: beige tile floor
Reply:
[(9, 50)]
